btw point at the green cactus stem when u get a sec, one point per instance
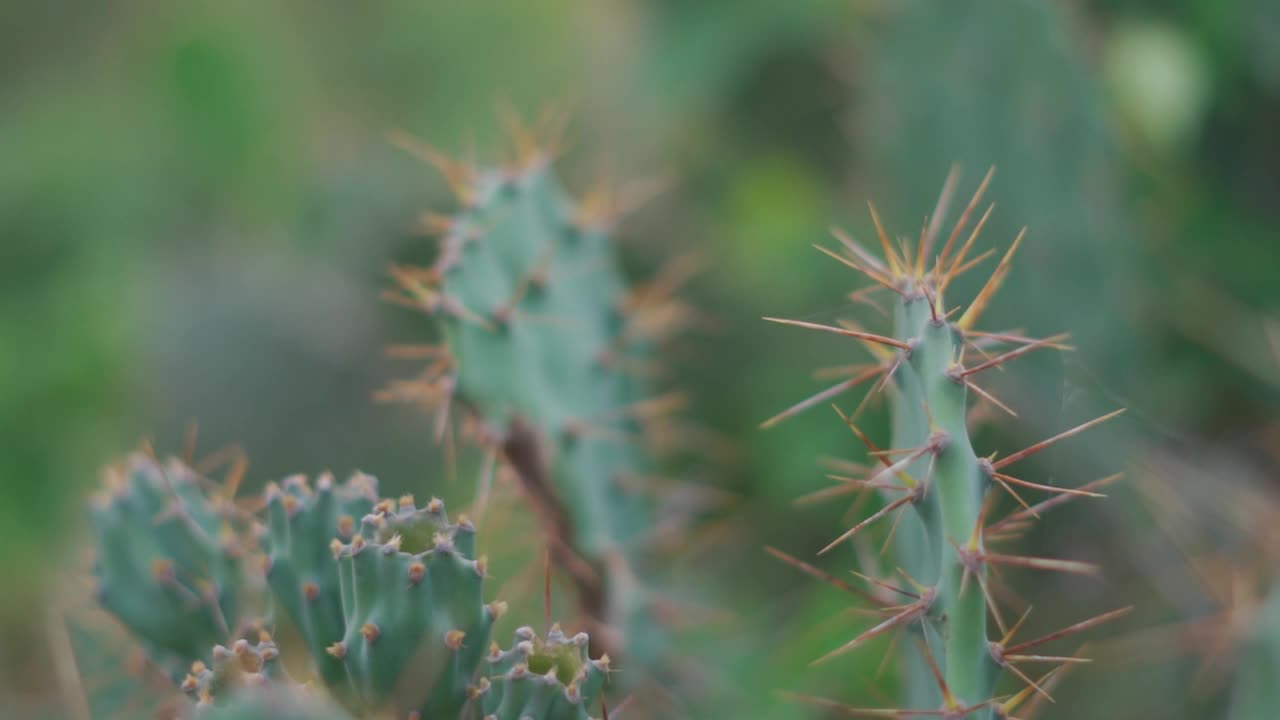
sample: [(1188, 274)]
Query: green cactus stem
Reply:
[(544, 343), (416, 623), (549, 679), (938, 491), (301, 570), (168, 561), (243, 665)]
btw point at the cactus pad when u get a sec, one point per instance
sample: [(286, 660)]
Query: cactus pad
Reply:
[(416, 623), (545, 346), (243, 665), (548, 679), (301, 570), (168, 560)]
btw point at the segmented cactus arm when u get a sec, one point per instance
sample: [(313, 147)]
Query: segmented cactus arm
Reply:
[(937, 491)]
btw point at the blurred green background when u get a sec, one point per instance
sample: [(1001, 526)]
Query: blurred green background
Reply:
[(198, 204)]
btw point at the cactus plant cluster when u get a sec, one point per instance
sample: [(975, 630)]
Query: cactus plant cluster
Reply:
[(546, 351), (938, 493), (387, 598), (544, 357)]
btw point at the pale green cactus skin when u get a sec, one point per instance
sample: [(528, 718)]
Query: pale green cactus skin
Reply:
[(168, 566), (551, 678), (538, 329), (548, 357), (416, 622), (276, 703), (908, 428), (389, 594), (937, 489), (949, 509), (302, 574), (1257, 684), (243, 665)]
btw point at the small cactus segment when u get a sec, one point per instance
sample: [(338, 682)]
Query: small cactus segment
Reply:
[(168, 563), (1257, 691), (543, 338), (301, 571), (275, 703), (243, 665), (938, 492), (416, 623), (551, 679), (532, 306)]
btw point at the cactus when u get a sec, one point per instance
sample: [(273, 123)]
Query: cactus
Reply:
[(276, 703), (941, 491), (394, 604), (550, 678), (168, 561), (416, 623), (243, 665), (543, 344), (300, 567)]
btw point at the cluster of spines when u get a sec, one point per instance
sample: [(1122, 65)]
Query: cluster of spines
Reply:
[(933, 471), (416, 623), (551, 678), (243, 665), (301, 571), (546, 346), (168, 562)]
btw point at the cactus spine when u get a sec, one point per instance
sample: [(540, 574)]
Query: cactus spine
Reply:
[(543, 339), (243, 665), (937, 490)]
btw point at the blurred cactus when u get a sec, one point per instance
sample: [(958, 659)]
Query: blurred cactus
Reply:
[(1225, 538), (552, 678), (243, 665), (276, 703), (168, 560), (301, 570), (416, 623), (1043, 122), (942, 491), (545, 350), (389, 606), (548, 350)]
